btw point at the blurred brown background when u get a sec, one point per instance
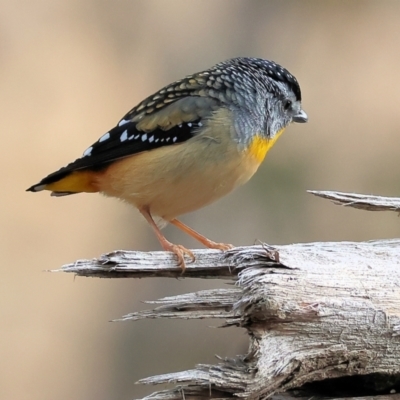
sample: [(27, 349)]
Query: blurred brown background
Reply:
[(69, 70)]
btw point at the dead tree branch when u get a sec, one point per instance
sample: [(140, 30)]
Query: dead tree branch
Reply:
[(324, 310), (361, 201)]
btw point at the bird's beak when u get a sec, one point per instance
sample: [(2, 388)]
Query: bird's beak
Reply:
[(301, 116)]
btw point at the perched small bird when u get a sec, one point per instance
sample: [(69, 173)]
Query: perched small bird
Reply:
[(189, 144)]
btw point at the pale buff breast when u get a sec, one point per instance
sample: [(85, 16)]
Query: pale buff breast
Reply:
[(178, 179)]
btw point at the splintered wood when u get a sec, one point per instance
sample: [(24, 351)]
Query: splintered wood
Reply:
[(324, 310)]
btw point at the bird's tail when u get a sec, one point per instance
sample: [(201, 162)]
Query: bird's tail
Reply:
[(62, 183)]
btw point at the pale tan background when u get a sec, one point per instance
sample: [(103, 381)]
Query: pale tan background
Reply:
[(70, 69)]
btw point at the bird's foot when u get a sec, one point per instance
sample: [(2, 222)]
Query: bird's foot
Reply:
[(218, 246), (202, 239), (180, 252)]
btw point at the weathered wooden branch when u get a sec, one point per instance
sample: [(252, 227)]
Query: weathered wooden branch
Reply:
[(361, 201), (318, 311), (208, 264)]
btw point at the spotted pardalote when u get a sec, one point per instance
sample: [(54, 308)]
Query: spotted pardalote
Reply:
[(189, 144)]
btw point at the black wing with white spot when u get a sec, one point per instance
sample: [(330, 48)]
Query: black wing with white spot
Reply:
[(126, 140), (122, 141)]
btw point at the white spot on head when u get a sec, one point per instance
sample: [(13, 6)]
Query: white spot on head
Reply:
[(144, 137), (87, 152), (174, 139), (189, 124), (106, 136), (200, 124), (180, 126), (124, 136), (123, 122), (151, 139)]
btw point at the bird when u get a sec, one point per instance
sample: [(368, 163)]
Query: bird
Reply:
[(188, 145)]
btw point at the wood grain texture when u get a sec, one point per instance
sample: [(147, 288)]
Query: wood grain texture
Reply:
[(325, 310), (361, 201)]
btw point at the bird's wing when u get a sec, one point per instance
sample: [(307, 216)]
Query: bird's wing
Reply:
[(150, 125)]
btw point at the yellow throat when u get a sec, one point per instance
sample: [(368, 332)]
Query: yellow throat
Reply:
[(259, 146)]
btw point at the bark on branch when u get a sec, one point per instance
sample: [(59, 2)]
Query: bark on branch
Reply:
[(325, 310), (361, 201)]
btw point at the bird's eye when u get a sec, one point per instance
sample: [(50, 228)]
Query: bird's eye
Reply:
[(287, 104)]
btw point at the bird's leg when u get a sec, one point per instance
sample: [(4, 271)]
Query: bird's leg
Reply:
[(202, 239), (177, 249)]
